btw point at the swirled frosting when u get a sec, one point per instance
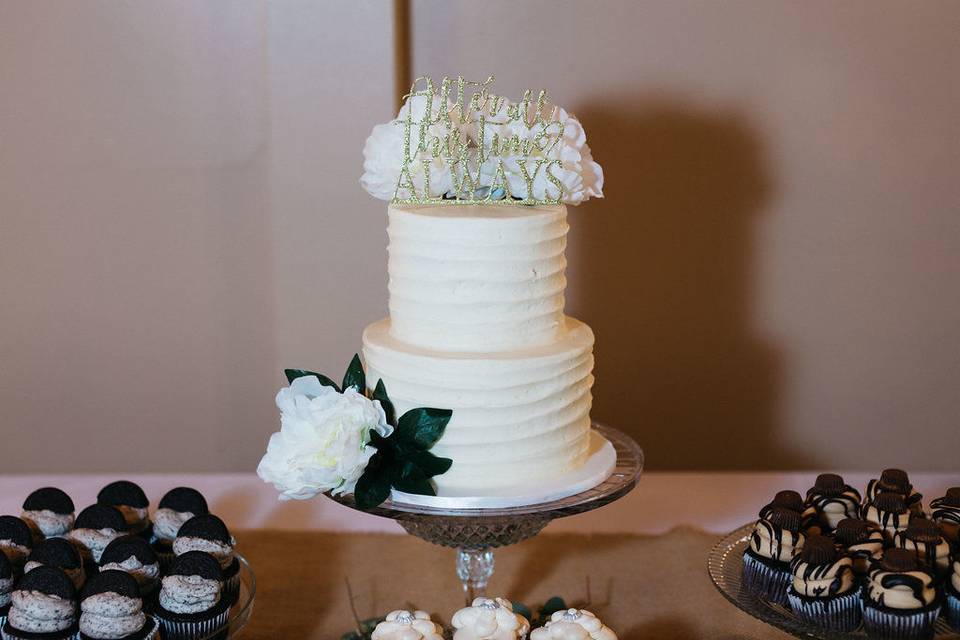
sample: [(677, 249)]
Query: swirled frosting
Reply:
[(109, 616), (92, 542), (167, 522), (945, 511), (890, 522), (573, 624), (76, 575), (189, 594), (488, 619), (832, 508), (219, 550), (16, 553), (900, 589), (822, 580), (6, 584), (407, 625), (865, 551), (144, 574), (773, 542), (49, 523), (37, 612)]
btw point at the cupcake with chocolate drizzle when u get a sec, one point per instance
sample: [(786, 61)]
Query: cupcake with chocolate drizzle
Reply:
[(862, 541), (176, 507), (889, 511), (49, 512), (191, 602), (208, 533), (901, 600), (96, 527), (43, 606), (111, 609), (823, 591), (895, 481), (61, 554), (130, 500), (832, 500), (766, 562), (6, 586), (134, 555), (945, 512), (923, 537), (952, 606), (16, 541)]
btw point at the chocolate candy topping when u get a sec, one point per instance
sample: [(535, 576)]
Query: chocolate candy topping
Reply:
[(923, 530), (123, 492), (818, 550), (829, 484), (16, 530), (48, 580), (952, 499), (126, 546), (101, 516), (851, 531), (185, 499), (49, 499), (56, 552), (788, 500), (111, 581), (207, 526), (892, 502), (196, 563), (895, 480), (900, 560)]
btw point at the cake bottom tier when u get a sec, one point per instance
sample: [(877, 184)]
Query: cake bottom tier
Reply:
[(518, 416)]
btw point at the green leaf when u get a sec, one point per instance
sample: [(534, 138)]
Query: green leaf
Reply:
[(373, 488), (411, 479), (293, 374), (355, 377), (380, 393), (524, 610), (423, 427), (430, 464)]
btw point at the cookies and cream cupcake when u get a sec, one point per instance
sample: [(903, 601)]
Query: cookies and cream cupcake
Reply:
[(901, 600), (6, 586), (766, 562), (191, 603), (111, 609), (43, 606), (49, 512), (861, 540), (923, 537), (16, 541), (208, 533), (61, 554), (407, 625), (832, 500), (952, 605), (895, 481), (889, 511), (489, 619), (130, 500), (96, 527), (823, 590), (134, 555), (176, 507), (573, 623), (945, 512)]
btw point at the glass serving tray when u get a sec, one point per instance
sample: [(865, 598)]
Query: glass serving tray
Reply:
[(726, 565)]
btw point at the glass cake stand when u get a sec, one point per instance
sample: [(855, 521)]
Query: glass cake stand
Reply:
[(476, 532), (241, 611), (726, 566)]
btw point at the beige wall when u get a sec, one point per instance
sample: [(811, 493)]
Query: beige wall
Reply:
[(772, 276)]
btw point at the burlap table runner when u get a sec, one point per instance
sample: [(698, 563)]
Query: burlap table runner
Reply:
[(643, 587)]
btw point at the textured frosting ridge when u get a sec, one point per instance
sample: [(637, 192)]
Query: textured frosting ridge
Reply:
[(144, 574), (222, 552), (37, 612), (49, 523), (6, 584), (167, 522), (189, 594), (109, 616)]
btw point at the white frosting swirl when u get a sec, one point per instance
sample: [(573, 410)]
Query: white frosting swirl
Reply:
[(901, 596), (406, 625), (110, 616), (889, 522), (77, 576), (488, 619), (144, 574), (222, 552), (955, 576), (167, 522), (49, 523), (36, 612), (775, 543), (16, 553), (573, 624), (823, 581), (92, 542), (939, 553), (189, 594), (6, 584)]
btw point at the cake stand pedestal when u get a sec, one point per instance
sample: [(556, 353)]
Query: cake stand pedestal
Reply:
[(476, 532)]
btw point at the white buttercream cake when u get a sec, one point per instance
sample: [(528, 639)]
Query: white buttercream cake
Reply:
[(477, 326)]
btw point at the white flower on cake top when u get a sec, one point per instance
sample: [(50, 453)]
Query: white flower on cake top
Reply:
[(488, 619), (573, 624), (406, 625)]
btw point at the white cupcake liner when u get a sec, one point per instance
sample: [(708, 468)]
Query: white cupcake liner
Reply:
[(176, 630), (889, 625), (765, 581), (836, 613), (951, 610)]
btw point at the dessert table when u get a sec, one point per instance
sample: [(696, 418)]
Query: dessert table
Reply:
[(644, 556)]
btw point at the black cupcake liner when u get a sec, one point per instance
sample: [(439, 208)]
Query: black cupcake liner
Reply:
[(765, 579), (834, 613)]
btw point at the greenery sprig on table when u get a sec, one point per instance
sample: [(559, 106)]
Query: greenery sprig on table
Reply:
[(403, 460)]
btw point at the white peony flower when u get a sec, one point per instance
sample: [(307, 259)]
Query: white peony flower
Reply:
[(404, 625), (488, 619), (573, 624), (323, 440)]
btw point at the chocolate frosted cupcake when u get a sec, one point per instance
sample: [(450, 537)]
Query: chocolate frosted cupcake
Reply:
[(134, 555), (923, 537), (111, 609), (16, 541), (861, 540), (945, 512), (901, 600), (96, 527), (832, 500), (176, 507), (6, 586), (889, 511), (208, 533), (823, 592), (191, 602), (130, 500), (43, 607), (60, 554), (49, 512), (952, 607), (896, 481), (766, 562)]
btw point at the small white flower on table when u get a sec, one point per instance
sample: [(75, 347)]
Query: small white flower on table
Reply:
[(573, 624), (488, 619), (406, 625)]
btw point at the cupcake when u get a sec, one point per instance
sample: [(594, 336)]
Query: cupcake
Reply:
[(900, 599), (862, 541), (952, 607), (111, 609), (208, 533), (832, 500), (176, 507), (573, 623), (16, 540), (945, 512), (923, 537), (486, 618), (60, 554), (407, 625), (96, 527), (190, 604), (6, 586), (134, 555), (49, 512), (766, 562), (823, 591), (130, 500), (896, 481), (787, 499), (889, 511), (42, 607)]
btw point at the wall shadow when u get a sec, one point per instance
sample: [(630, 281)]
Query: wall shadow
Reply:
[(663, 270)]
